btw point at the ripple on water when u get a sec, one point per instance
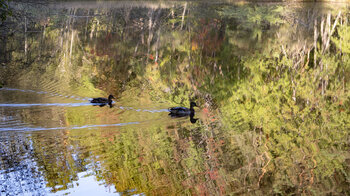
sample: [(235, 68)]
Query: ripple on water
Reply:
[(50, 94)]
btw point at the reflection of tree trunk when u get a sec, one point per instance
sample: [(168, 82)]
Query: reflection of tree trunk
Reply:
[(72, 37), (294, 87), (183, 15), (315, 42), (330, 31), (341, 52), (66, 35), (71, 44), (173, 17), (25, 37), (126, 20), (150, 33), (92, 30), (157, 46), (190, 41), (94, 26), (137, 46), (151, 26), (62, 34), (326, 32), (86, 24)]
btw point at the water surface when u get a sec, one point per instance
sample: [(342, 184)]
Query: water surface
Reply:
[(270, 80)]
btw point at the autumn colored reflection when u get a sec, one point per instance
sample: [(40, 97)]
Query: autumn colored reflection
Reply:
[(270, 80)]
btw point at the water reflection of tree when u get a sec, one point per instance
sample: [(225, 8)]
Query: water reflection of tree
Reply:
[(276, 122)]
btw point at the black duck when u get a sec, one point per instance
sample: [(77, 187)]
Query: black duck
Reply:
[(103, 100), (182, 111)]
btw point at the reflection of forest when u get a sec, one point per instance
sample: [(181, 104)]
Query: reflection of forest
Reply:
[(272, 82)]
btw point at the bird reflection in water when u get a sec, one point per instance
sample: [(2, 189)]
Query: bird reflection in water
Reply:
[(103, 104)]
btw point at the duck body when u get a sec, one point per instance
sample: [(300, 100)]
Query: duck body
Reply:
[(103, 100), (182, 111)]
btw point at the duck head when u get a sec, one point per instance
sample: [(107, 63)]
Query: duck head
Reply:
[(110, 97), (193, 104)]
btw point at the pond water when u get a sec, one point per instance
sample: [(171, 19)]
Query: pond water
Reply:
[(271, 82)]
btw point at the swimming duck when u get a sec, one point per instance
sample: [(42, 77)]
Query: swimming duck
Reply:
[(103, 100), (182, 111)]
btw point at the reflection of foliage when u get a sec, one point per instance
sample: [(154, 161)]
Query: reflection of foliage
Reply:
[(57, 162), (295, 120), (277, 130), (4, 10), (344, 42), (253, 26), (254, 14), (254, 18)]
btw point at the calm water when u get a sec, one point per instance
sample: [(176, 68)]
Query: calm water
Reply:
[(273, 115)]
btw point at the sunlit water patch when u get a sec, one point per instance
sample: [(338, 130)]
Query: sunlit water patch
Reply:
[(86, 185)]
